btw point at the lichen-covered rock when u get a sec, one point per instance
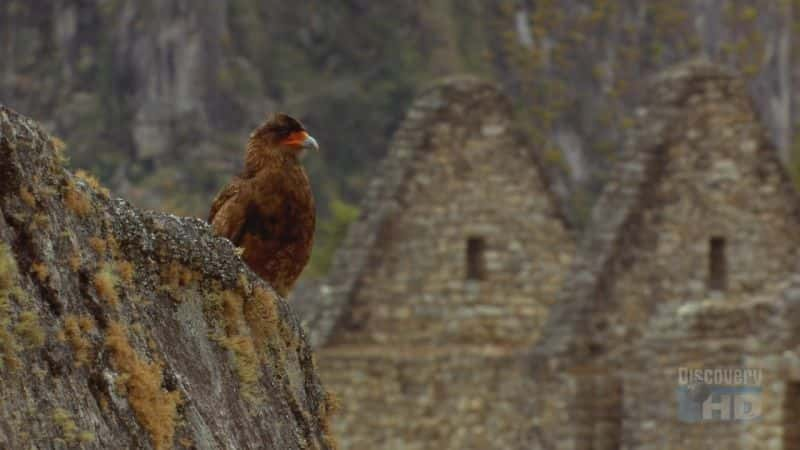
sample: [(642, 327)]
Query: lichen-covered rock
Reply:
[(128, 329)]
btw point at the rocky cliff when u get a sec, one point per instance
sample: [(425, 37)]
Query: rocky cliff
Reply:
[(122, 328), (156, 83)]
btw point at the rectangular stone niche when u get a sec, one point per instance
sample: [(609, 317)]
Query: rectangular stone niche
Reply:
[(476, 258)]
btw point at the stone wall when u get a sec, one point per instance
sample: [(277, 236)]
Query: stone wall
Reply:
[(701, 210), (758, 333), (448, 275), (420, 400), (469, 178)]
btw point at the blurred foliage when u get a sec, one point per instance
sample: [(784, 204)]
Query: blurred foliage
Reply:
[(349, 69), (330, 233), (581, 67)]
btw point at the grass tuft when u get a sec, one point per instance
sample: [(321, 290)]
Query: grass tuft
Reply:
[(76, 200), (93, 182)]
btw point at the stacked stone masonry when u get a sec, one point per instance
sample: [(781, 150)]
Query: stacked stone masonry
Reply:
[(457, 316), (443, 281), (691, 249)]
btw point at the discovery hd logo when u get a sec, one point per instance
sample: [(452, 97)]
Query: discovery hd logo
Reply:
[(719, 395)]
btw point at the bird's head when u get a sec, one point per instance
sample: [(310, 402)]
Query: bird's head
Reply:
[(284, 134)]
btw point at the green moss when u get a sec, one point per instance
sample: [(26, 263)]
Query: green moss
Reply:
[(156, 410), (330, 234), (8, 268), (70, 433), (105, 283), (9, 347), (247, 364), (250, 323), (29, 330)]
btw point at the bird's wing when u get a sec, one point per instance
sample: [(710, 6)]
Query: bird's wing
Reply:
[(228, 213), (224, 195)]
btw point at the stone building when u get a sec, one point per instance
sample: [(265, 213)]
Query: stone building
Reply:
[(445, 278), (687, 263), (758, 333)]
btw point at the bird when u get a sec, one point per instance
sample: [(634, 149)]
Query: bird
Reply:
[(268, 210)]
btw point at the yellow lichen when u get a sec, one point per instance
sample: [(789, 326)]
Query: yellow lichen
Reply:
[(155, 408), (41, 270), (105, 283)]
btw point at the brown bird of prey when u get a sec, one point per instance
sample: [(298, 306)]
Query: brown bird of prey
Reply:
[(268, 210)]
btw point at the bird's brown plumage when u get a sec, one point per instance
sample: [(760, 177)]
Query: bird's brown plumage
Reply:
[(268, 210)]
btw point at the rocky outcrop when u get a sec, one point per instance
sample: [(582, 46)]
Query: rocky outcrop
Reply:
[(122, 328)]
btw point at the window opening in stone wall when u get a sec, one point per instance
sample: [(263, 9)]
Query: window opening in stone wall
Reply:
[(717, 264), (791, 416), (476, 258)]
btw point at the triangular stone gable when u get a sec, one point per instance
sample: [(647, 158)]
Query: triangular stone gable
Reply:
[(699, 208), (456, 171)]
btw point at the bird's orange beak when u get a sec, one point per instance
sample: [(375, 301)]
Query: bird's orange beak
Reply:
[(301, 139)]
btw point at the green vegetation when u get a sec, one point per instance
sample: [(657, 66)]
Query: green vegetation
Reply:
[(330, 233), (349, 70), (70, 432)]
